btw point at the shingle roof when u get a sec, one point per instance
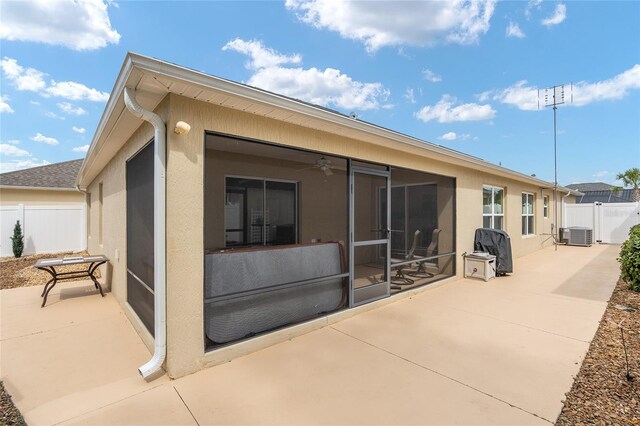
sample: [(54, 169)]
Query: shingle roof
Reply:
[(59, 175), (608, 196), (590, 186)]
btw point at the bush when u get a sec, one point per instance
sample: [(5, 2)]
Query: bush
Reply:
[(17, 240), (630, 259)]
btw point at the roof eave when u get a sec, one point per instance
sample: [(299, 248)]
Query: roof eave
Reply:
[(151, 65), (39, 188)]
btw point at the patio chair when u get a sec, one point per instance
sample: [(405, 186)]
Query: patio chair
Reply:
[(400, 278), (421, 272)]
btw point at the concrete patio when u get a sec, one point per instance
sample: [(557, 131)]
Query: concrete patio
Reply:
[(464, 352)]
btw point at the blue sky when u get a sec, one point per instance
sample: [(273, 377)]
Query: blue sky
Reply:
[(461, 74)]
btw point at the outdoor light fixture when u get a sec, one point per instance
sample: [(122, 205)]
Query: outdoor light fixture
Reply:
[(182, 128)]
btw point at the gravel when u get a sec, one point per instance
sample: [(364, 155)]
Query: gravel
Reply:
[(9, 414), (601, 393)]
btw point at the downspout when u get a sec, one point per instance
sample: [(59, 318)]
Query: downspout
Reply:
[(154, 365)]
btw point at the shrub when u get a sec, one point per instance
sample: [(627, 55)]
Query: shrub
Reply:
[(630, 259), (17, 240)]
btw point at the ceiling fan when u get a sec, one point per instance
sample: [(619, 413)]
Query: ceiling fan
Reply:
[(322, 164)]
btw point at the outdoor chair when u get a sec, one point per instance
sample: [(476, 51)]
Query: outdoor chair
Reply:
[(400, 278), (432, 250)]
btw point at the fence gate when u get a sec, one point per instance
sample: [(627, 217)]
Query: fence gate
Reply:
[(610, 221)]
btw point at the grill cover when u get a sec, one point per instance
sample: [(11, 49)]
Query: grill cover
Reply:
[(235, 271), (497, 243)]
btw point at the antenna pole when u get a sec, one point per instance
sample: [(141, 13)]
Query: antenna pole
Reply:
[(555, 176)]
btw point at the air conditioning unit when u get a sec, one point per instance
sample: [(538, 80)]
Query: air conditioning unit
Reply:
[(576, 236)]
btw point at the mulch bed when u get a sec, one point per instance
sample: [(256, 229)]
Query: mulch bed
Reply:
[(9, 414), (601, 394), (19, 272)]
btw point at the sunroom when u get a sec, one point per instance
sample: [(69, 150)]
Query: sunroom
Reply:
[(291, 234)]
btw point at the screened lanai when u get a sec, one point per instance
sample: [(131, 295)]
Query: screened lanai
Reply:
[(291, 235)]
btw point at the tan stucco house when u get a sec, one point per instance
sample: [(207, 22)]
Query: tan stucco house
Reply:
[(235, 218)]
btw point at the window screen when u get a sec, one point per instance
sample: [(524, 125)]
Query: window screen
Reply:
[(140, 242)]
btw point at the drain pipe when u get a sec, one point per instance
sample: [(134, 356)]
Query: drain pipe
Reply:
[(154, 366), (562, 203)]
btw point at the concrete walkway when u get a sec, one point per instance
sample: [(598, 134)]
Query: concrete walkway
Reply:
[(466, 352)]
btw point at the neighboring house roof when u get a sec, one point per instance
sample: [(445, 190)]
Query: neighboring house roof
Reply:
[(154, 79), (59, 176), (608, 196), (590, 186)]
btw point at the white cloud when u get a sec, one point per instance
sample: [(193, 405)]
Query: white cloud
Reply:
[(409, 96), (78, 25), (449, 136), (601, 174), (431, 76), (75, 91), (445, 111), (13, 142), (614, 88), (378, 24), (526, 97), (519, 94), (531, 4), (559, 15), (70, 109), (261, 56), (20, 164), (53, 115), (10, 150), (39, 137), (36, 103), (80, 130), (22, 78), (513, 30), (328, 87), (4, 105), (82, 148), (452, 136), (30, 79)]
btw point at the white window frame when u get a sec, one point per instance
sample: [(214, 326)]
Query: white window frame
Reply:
[(525, 213), (493, 214), (545, 206)]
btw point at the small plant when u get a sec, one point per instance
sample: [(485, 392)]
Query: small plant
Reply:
[(630, 259), (17, 240)]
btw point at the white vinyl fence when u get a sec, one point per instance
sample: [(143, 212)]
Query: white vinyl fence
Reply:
[(46, 229), (610, 221)]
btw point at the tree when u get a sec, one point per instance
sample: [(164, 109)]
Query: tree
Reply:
[(631, 178), (17, 240)]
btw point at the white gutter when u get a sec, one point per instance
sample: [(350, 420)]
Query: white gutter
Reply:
[(154, 365)]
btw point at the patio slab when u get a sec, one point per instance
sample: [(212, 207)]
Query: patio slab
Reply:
[(466, 352)]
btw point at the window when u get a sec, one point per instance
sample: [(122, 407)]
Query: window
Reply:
[(260, 212), (492, 207), (527, 214), (545, 206)]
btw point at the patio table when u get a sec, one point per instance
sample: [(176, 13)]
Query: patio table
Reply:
[(49, 266)]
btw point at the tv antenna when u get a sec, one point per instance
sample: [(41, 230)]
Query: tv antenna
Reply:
[(552, 97)]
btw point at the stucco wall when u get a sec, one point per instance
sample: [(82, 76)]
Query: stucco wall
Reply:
[(34, 197), (114, 217)]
